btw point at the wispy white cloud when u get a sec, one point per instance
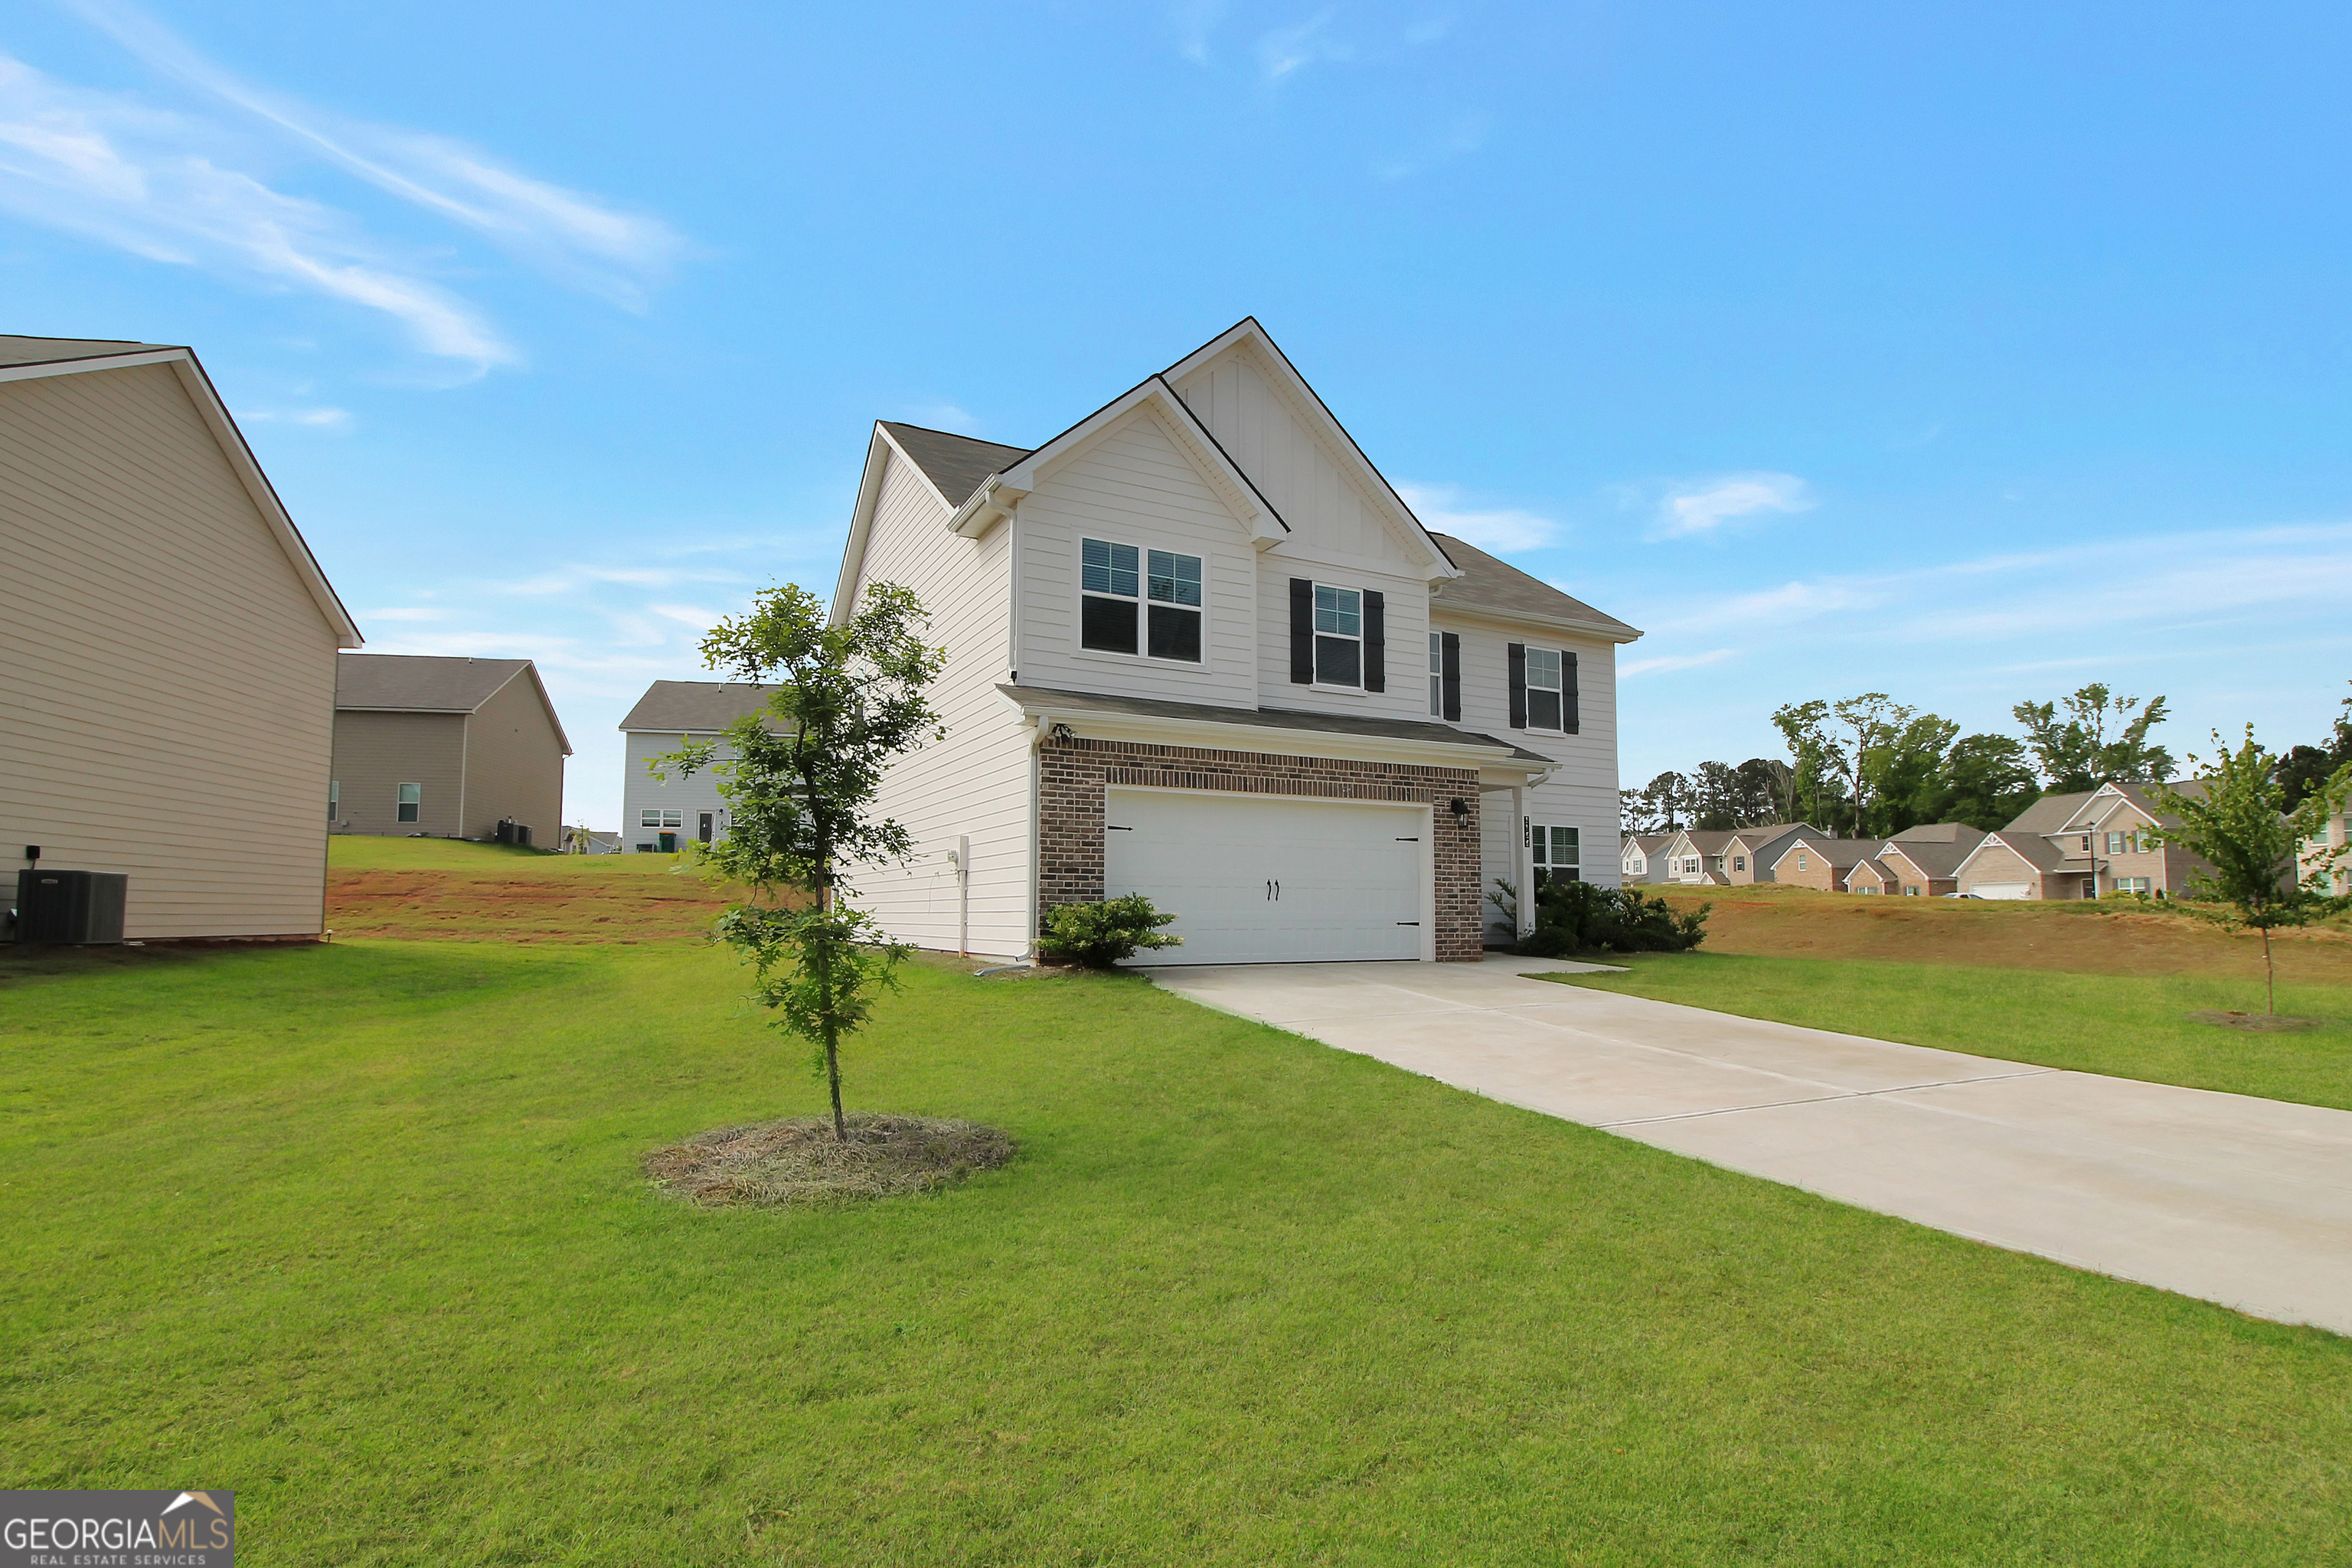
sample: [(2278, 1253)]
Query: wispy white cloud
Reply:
[(110, 169), (1442, 511), (1465, 136), (690, 616), (1667, 662), (585, 242), (941, 416), (1194, 21), (1708, 505), (405, 612), (1429, 29), (1287, 51), (567, 579), (317, 418)]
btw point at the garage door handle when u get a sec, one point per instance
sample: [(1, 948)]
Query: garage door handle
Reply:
[(1407, 923)]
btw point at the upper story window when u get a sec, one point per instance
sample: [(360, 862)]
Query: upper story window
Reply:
[(334, 800), (1543, 689), (1140, 602), (1339, 636), (1437, 674), (411, 801)]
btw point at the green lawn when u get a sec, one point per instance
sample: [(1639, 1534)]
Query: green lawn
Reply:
[(2126, 1026), (357, 1230)]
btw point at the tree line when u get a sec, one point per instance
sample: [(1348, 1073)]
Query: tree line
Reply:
[(1869, 766)]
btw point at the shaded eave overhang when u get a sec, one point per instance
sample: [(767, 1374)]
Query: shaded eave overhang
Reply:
[(241, 461), (1043, 712), (1601, 631)]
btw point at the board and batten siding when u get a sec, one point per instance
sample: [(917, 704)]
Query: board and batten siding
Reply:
[(169, 699), (1280, 447), (514, 764), (976, 782), (1131, 485), (376, 753)]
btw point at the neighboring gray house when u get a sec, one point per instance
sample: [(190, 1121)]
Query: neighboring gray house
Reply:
[(659, 815), (1639, 860), (167, 646), (434, 747)]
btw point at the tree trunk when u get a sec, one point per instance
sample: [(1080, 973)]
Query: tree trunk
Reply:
[(2270, 977), (825, 993)]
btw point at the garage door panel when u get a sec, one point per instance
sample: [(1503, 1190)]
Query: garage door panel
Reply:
[(2001, 889), (1258, 879)]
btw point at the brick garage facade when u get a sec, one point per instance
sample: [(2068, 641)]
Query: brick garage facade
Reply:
[(1072, 776)]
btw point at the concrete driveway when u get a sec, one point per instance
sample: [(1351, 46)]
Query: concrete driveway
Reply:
[(2241, 1201)]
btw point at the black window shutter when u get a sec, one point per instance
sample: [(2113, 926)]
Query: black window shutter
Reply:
[(1568, 692), (1376, 641), (1449, 659), (1519, 656), (1302, 631)]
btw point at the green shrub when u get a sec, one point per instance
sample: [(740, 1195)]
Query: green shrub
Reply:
[(1578, 917), (1100, 935)]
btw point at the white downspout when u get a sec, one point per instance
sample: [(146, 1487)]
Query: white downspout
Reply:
[(962, 857)]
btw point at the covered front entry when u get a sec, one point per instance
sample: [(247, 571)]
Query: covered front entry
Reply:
[(1255, 879)]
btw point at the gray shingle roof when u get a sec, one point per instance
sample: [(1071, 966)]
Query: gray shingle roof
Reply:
[(1937, 833), (2047, 815), (695, 706), (15, 350), (420, 682), (1937, 857), (1499, 588), (955, 463), (1263, 718), (1841, 853)]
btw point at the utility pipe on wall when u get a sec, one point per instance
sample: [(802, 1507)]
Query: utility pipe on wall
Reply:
[(961, 856)]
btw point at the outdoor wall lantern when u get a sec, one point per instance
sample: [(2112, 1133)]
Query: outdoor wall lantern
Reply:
[(1459, 807)]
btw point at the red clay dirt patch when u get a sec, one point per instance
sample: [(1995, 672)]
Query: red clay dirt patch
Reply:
[(2102, 938), (476, 907)]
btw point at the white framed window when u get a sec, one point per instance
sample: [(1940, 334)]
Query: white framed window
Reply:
[(410, 803), (1804, 861), (1437, 674), (1543, 689), (1137, 601), (334, 800), (1740, 862), (1338, 636), (2115, 843), (1690, 867), (661, 816), (2134, 884), (1557, 853)]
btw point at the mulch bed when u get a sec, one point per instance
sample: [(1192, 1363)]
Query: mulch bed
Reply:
[(798, 1161), (2253, 1023)]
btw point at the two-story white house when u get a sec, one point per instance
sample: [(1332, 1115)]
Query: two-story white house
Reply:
[(659, 815), (1198, 649)]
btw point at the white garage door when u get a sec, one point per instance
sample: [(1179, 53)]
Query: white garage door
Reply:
[(2000, 890), (1259, 881)]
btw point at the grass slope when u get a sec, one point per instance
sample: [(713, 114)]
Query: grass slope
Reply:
[(2128, 1025), (359, 1231), (447, 889)]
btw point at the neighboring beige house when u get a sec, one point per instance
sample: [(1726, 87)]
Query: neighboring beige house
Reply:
[(1643, 860), (2079, 846), (1925, 861), (2330, 853), (167, 646), (1697, 854), (657, 815), (1748, 854), (433, 747), (1871, 877), (1821, 862)]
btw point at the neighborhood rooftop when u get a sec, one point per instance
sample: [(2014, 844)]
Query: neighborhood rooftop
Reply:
[(1262, 718), (1487, 583), (17, 349), (954, 463), (420, 683), (679, 707)]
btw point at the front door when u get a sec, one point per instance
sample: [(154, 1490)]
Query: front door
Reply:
[(703, 826)]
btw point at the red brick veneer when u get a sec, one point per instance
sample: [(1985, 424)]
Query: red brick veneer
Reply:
[(1073, 775)]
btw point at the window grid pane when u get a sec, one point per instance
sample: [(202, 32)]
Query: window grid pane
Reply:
[(1111, 568), (1338, 611), (1175, 579), (1543, 667)]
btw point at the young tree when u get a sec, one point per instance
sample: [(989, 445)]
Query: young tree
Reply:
[(2239, 824), (2077, 755), (800, 789)]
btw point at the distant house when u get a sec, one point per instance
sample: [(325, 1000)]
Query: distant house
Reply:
[(1696, 855), (1925, 861), (434, 747), (2329, 854), (167, 646), (659, 815), (2079, 846), (1818, 861), (1748, 854), (1641, 858), (1870, 877)]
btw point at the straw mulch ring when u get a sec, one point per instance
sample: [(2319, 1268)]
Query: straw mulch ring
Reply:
[(797, 1161), (2252, 1022)]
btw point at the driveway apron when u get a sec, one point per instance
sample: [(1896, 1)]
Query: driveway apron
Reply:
[(2242, 1201)]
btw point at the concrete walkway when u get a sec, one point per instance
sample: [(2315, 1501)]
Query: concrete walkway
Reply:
[(2241, 1201)]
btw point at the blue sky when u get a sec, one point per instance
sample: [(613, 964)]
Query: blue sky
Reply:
[(1966, 355)]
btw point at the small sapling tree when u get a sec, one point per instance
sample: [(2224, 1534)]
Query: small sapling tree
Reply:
[(800, 786), (2240, 824)]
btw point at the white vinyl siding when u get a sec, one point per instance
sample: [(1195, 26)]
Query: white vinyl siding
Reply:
[(1583, 789), (976, 782)]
